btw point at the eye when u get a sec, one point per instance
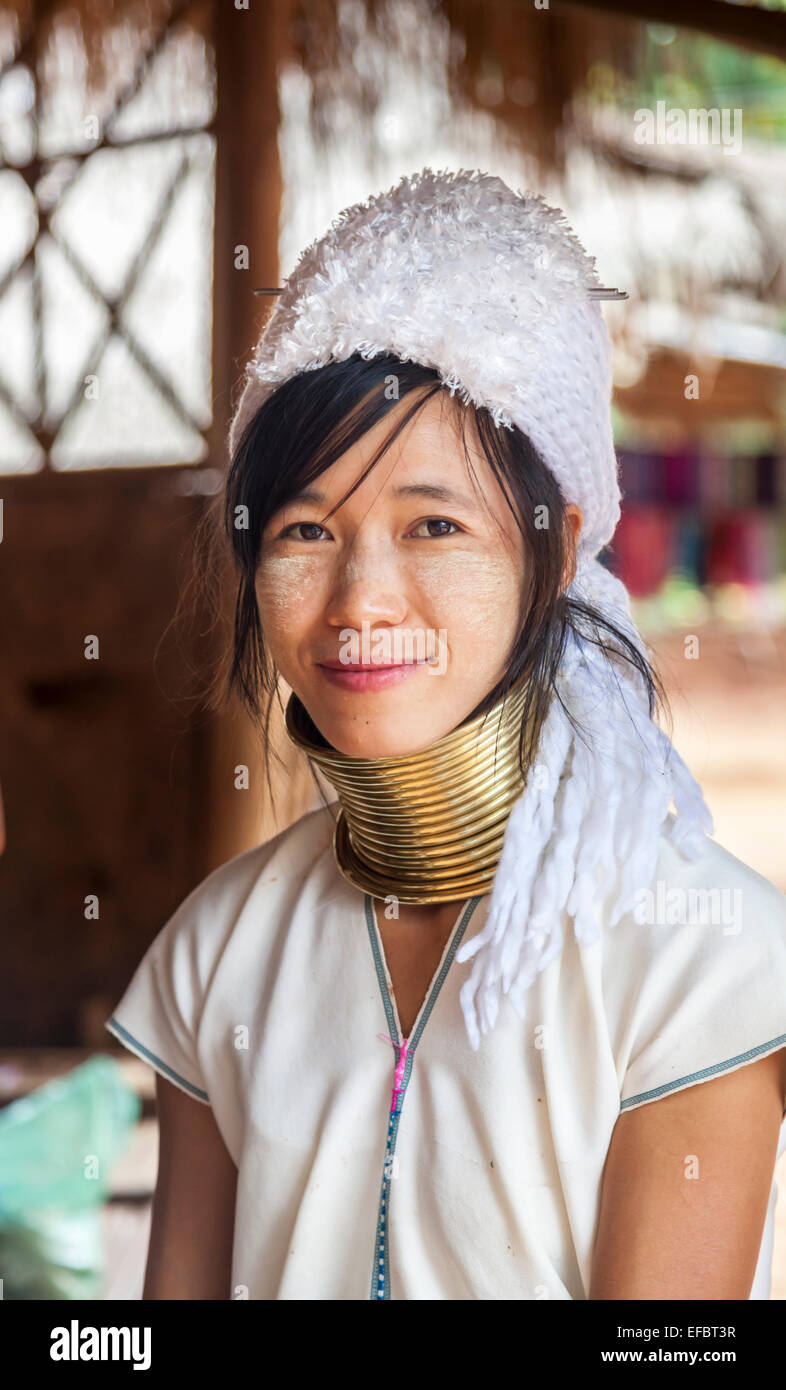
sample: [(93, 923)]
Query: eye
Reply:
[(309, 527), (439, 522)]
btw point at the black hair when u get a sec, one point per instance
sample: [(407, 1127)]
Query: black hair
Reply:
[(306, 425)]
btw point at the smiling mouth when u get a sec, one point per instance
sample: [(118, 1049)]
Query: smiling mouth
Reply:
[(367, 666), (362, 677)]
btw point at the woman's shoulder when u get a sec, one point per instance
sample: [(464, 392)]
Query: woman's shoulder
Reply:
[(713, 913), (296, 849), (278, 866), (695, 974), (714, 859), (258, 887), (714, 889), (222, 932)]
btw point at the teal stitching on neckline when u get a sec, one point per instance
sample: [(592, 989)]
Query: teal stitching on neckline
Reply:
[(389, 1014), (707, 1071), (383, 1214), (458, 932), (151, 1057)]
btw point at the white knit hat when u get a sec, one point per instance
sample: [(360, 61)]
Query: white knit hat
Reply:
[(491, 288)]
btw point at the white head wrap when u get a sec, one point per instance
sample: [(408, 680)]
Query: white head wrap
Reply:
[(490, 287)]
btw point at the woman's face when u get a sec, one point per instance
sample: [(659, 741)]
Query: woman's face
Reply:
[(393, 619)]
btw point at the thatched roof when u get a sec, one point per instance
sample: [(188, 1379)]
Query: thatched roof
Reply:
[(694, 236), (680, 228)]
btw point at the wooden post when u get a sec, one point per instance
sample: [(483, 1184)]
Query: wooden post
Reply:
[(251, 44)]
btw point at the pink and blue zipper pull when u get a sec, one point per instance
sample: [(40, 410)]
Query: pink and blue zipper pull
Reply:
[(402, 1061)]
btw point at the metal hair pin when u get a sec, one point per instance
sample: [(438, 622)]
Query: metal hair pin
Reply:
[(605, 292), (596, 292)]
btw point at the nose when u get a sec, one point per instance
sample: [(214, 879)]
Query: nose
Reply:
[(368, 587)]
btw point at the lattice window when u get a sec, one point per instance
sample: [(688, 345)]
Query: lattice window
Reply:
[(107, 179)]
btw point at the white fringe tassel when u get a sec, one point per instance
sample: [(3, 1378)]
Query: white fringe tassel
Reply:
[(588, 821)]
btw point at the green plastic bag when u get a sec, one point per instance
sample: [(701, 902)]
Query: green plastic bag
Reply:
[(57, 1148)]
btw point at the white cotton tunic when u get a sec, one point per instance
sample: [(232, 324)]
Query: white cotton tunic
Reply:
[(265, 996)]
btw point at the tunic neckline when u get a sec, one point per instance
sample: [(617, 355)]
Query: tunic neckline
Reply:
[(437, 979), (404, 1049)]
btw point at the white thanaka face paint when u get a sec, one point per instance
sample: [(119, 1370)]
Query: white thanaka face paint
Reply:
[(468, 590), (378, 564), (283, 580)]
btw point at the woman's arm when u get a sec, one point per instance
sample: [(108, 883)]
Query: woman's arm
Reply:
[(685, 1189), (190, 1250)]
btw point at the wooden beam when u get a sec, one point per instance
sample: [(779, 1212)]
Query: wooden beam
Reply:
[(251, 45), (745, 26)]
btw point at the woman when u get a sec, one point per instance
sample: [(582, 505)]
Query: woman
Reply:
[(422, 477)]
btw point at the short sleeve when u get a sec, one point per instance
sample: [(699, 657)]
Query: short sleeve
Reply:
[(158, 1016), (699, 974), (178, 1005)]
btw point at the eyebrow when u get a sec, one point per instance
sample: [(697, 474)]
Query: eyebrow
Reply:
[(436, 491)]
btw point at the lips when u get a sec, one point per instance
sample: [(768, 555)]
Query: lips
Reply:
[(365, 666), (361, 677)]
